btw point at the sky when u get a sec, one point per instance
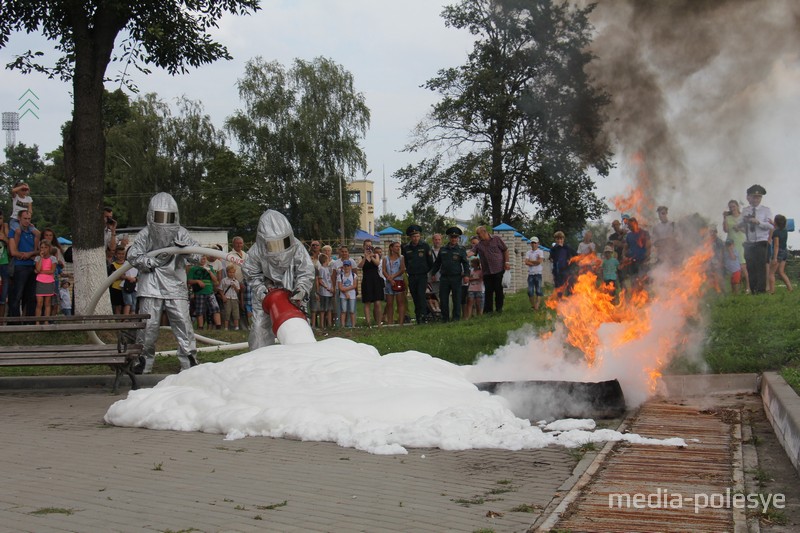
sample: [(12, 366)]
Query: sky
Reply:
[(708, 95), (391, 48), (345, 392)]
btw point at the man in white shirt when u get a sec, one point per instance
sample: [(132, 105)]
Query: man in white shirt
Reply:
[(757, 224), (665, 238), (533, 259)]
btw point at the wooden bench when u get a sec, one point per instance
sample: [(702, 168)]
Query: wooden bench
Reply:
[(122, 356)]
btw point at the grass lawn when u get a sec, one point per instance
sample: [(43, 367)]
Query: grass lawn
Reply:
[(744, 333)]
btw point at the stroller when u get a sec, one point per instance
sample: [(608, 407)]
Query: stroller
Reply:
[(434, 308)]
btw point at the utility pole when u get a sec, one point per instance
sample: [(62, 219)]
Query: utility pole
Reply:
[(385, 199), (341, 212)]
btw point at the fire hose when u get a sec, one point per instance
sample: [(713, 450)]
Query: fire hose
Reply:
[(174, 250)]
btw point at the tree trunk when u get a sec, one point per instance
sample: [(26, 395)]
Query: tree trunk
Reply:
[(496, 176), (84, 164)]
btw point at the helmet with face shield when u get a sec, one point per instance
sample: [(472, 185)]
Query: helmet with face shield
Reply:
[(163, 221), (276, 238)]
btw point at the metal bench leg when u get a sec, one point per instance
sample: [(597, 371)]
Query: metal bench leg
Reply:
[(127, 369)]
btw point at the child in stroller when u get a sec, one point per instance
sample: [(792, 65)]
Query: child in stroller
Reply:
[(433, 305)]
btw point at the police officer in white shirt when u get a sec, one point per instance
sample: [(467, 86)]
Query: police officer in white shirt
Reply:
[(757, 224)]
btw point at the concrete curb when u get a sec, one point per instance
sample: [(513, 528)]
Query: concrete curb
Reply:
[(75, 382), (782, 407), (684, 386)]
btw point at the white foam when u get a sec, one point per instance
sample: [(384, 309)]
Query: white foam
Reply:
[(341, 391), (295, 331)]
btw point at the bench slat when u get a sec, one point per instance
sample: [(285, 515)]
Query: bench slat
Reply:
[(79, 319), (75, 354), (61, 348), (33, 328), (104, 360), (55, 351), (109, 356)]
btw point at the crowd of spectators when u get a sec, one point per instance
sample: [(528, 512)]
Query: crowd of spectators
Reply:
[(445, 281)]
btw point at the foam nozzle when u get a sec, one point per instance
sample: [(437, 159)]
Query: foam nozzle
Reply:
[(289, 323)]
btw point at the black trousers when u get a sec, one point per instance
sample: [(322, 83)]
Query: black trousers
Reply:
[(22, 296), (493, 289), (448, 285), (417, 284), (755, 255)]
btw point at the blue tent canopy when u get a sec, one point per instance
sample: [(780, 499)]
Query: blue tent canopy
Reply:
[(504, 227), (362, 235), (390, 231), (62, 240)]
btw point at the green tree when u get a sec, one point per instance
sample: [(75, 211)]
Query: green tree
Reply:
[(22, 163), (48, 190), (166, 33), (299, 138), (429, 218), (519, 124), (228, 197), (155, 148), (136, 166), (191, 143), (387, 220)]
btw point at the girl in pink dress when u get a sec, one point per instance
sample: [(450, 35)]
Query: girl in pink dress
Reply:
[(45, 278)]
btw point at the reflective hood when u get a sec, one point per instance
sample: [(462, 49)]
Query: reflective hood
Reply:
[(163, 220), (276, 238)]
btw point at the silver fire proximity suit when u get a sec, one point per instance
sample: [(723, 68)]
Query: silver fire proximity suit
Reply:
[(162, 279), (276, 260)]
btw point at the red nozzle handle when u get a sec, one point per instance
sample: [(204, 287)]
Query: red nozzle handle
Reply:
[(278, 306)]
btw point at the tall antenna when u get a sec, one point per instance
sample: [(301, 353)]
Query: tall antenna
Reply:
[(385, 199), (11, 126)]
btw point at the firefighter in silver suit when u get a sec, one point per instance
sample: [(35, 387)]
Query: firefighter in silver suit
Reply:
[(276, 260), (162, 284)]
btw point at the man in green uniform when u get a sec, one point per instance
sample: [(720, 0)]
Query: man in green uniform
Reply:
[(419, 260), (452, 261)]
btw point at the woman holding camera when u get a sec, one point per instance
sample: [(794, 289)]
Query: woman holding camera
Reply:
[(371, 284), (731, 221)]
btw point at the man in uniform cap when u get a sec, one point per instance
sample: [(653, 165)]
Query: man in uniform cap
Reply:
[(412, 229), (452, 261), (419, 260), (756, 223)]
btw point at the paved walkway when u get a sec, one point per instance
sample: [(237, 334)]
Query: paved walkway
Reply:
[(59, 457), (64, 469)]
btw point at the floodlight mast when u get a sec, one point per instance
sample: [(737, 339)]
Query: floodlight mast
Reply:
[(10, 126)]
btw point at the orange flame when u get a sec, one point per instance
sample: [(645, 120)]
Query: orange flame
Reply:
[(635, 202), (590, 304)]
